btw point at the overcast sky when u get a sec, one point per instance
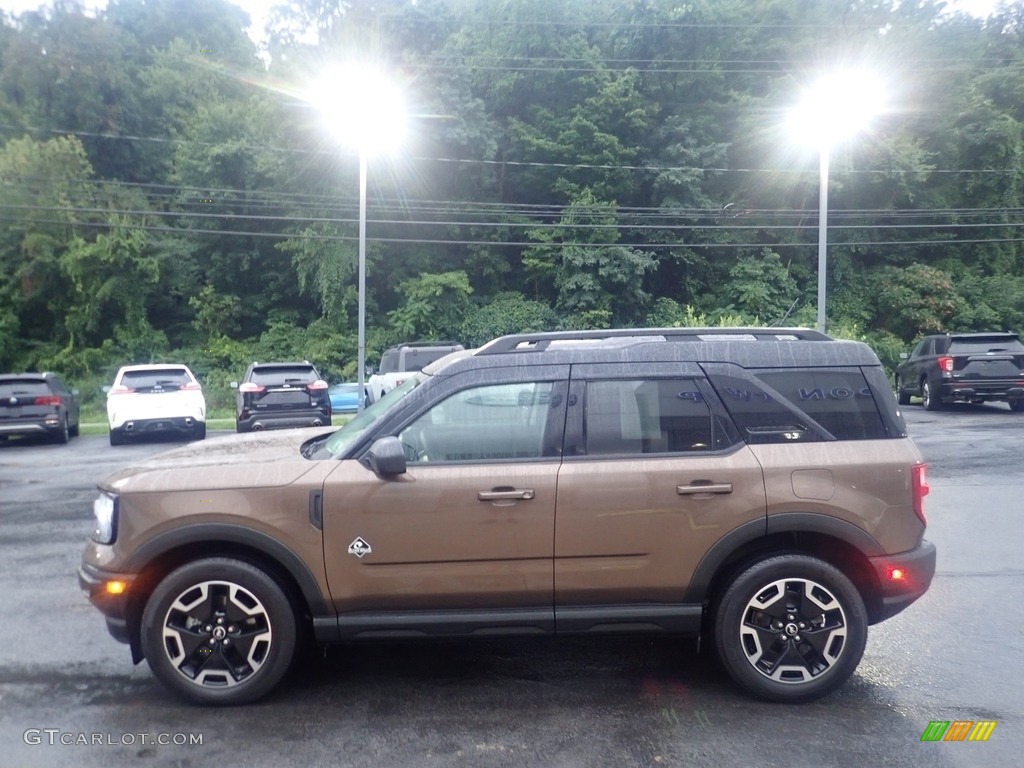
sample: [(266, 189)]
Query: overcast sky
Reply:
[(258, 8)]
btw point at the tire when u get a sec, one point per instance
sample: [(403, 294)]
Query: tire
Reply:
[(62, 436), (929, 399), (75, 430), (902, 396), (116, 437), (199, 431), (219, 631), (795, 609), (1017, 406)]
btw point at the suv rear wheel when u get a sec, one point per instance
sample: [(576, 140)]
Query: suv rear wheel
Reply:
[(62, 435), (791, 628), (219, 631), (928, 398)]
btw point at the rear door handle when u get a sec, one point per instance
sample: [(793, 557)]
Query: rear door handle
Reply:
[(691, 490), (509, 494)]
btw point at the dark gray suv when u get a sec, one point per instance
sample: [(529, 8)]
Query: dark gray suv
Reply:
[(37, 404), (280, 395)]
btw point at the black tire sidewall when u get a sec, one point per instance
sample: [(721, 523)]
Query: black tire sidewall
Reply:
[(729, 613), (274, 599), (62, 435), (902, 396)]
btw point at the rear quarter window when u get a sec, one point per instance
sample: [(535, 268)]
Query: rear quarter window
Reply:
[(808, 405)]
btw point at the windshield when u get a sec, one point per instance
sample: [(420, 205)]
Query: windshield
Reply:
[(338, 442)]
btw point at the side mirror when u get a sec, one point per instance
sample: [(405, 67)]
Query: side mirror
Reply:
[(904, 355), (233, 385), (75, 392), (106, 389), (386, 457)]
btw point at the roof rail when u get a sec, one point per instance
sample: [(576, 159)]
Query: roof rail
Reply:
[(426, 344), (538, 342)]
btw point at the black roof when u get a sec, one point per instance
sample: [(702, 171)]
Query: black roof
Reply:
[(747, 347)]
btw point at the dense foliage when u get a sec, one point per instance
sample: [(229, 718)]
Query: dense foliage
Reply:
[(167, 193)]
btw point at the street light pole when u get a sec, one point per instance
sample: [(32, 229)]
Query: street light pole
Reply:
[(364, 109), (836, 107), (361, 343), (822, 232)]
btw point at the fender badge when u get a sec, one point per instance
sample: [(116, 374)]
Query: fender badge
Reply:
[(359, 547)]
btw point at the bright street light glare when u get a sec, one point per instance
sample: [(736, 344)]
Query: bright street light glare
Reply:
[(837, 107), (361, 107)]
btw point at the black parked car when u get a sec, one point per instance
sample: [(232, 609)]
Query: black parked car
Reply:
[(278, 395), (37, 404), (963, 367)]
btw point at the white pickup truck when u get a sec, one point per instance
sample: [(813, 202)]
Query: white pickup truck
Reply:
[(398, 362)]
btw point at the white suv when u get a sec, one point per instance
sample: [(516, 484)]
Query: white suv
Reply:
[(150, 399)]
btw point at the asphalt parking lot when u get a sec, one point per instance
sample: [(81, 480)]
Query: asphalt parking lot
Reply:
[(69, 695)]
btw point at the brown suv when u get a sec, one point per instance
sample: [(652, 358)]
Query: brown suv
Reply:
[(754, 486)]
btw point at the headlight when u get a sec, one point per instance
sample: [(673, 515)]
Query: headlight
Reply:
[(105, 510)]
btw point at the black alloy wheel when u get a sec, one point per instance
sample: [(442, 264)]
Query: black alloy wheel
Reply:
[(219, 631), (791, 628)]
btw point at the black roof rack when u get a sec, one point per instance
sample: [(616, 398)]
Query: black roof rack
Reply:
[(538, 342), (414, 344)]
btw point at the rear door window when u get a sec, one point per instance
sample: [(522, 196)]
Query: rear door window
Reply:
[(637, 416)]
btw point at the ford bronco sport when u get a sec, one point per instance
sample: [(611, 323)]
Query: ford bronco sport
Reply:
[(756, 487)]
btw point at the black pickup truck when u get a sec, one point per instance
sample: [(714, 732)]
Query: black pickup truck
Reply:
[(963, 367)]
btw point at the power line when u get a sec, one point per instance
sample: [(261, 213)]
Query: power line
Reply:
[(505, 243), (579, 225)]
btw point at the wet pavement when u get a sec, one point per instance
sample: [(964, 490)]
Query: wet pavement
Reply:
[(69, 695)]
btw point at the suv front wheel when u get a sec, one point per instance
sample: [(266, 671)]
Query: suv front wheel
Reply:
[(902, 396), (219, 631), (791, 628)]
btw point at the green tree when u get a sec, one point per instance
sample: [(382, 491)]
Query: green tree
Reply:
[(434, 306), (915, 300), (580, 265)]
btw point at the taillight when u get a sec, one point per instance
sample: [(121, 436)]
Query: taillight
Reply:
[(193, 386), (121, 389), (250, 387), (317, 385), (919, 483), (47, 400), (946, 364)]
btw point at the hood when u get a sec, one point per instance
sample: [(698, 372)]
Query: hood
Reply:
[(259, 459)]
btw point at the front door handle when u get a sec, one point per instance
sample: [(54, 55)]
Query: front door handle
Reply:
[(506, 494), (696, 488)]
